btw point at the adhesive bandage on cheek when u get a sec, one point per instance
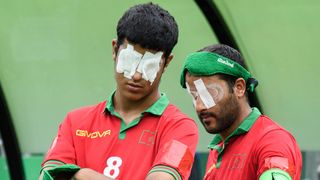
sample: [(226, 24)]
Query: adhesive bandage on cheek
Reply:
[(130, 61), (204, 94)]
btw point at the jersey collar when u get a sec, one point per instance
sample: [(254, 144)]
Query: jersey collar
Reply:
[(244, 127), (156, 108)]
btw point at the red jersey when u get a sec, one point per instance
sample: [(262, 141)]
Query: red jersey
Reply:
[(96, 137), (257, 145)]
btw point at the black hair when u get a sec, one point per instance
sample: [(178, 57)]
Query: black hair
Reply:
[(232, 54), (150, 26)]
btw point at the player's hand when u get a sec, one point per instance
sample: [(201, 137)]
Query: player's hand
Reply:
[(86, 173)]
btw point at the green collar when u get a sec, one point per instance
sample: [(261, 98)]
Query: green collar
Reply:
[(242, 129), (156, 108)]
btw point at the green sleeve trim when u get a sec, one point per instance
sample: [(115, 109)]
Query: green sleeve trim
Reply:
[(275, 174), (47, 167), (52, 164), (167, 169), (65, 171)]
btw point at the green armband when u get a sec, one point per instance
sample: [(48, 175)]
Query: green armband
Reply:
[(275, 174), (65, 171)]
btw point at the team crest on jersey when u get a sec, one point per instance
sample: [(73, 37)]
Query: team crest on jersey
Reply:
[(237, 161), (147, 137), (93, 135)]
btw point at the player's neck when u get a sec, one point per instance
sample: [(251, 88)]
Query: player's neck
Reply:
[(130, 110), (245, 110)]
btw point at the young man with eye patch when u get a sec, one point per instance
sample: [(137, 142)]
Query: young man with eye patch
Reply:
[(136, 133), (246, 145)]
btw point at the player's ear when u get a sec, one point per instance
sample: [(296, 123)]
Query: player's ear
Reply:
[(240, 87), (168, 60), (115, 49)]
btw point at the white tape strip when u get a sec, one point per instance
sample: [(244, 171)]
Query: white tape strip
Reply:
[(204, 94)]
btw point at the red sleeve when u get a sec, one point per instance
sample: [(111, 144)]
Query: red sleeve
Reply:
[(62, 148), (177, 147), (278, 149)]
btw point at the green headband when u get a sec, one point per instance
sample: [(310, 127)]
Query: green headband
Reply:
[(207, 63)]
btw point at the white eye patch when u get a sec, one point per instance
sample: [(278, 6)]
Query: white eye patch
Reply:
[(209, 94), (130, 61)]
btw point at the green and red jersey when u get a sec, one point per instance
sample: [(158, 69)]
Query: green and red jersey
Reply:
[(96, 137), (257, 145)]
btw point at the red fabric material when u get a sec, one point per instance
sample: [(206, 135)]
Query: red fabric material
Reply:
[(89, 137), (248, 155), (280, 163), (177, 155)]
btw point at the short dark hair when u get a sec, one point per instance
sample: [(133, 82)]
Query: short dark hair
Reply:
[(228, 52), (150, 26)]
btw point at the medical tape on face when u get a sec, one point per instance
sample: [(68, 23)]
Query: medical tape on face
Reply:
[(193, 98), (130, 61), (150, 65), (204, 94)]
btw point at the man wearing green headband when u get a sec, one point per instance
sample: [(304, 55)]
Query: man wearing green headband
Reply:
[(247, 145)]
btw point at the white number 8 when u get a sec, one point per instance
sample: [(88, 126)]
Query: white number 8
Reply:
[(112, 169)]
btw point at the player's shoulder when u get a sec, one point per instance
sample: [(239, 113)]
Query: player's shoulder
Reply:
[(266, 124), (173, 119), (271, 129), (173, 112), (87, 110)]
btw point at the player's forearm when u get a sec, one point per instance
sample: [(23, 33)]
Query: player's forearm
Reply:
[(159, 176), (87, 173)]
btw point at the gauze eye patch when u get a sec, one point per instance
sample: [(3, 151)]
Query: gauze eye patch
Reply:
[(209, 94), (130, 61)]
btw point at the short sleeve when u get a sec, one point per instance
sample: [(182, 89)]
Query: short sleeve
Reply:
[(177, 148), (278, 149), (62, 148)]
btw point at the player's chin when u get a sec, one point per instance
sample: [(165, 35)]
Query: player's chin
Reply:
[(134, 96), (212, 130)]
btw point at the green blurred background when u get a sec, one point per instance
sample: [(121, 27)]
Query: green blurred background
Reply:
[(56, 56)]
